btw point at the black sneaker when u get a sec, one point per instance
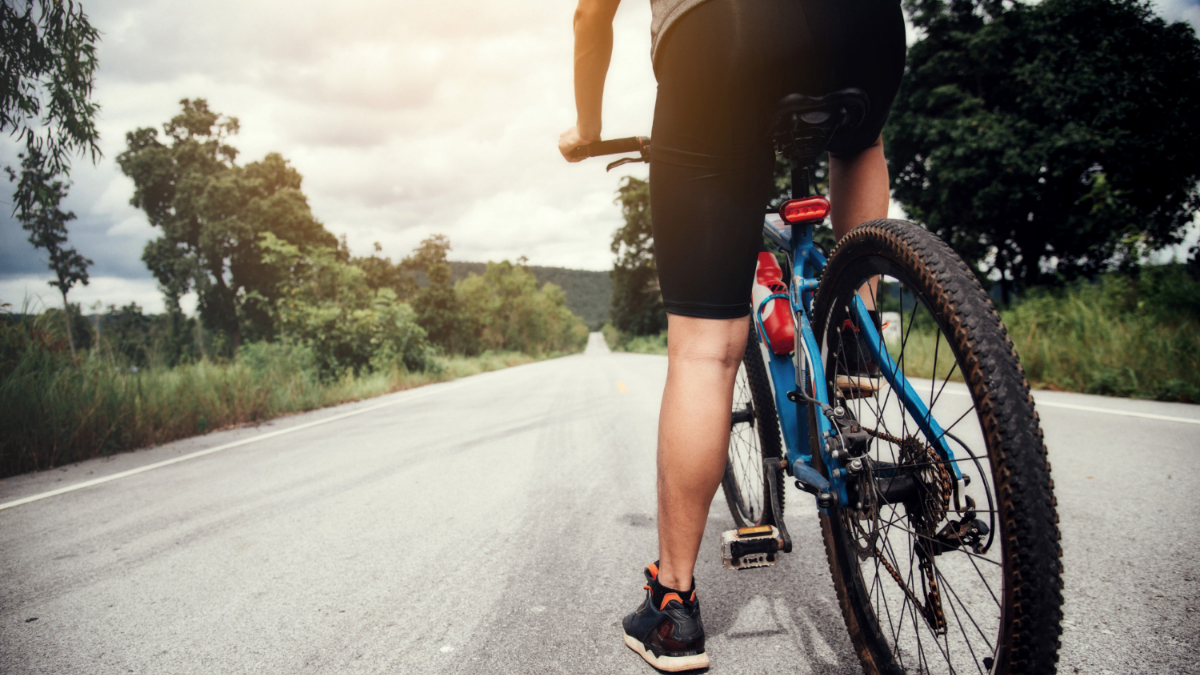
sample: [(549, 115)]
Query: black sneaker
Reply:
[(857, 372), (666, 629)]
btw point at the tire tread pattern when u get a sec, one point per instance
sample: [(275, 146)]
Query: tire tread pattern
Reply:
[(766, 424), (997, 382)]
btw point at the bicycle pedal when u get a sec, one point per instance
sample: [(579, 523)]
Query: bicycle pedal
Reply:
[(749, 547), (858, 386)]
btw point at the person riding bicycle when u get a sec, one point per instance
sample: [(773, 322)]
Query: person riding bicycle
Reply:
[(721, 66)]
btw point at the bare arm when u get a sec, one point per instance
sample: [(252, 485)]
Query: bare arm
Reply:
[(593, 50)]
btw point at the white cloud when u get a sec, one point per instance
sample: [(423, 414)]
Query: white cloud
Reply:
[(405, 119), (1187, 11), (31, 293)]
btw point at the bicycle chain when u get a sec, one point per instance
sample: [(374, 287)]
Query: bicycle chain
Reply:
[(932, 512)]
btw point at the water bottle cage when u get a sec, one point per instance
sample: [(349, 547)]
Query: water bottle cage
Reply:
[(758, 319)]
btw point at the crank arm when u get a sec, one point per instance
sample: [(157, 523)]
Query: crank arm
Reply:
[(772, 471)]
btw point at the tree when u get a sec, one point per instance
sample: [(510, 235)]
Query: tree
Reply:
[(47, 226), (512, 313), (382, 273), (211, 213), (47, 67), (424, 279), (1048, 140), (128, 333), (636, 299), (323, 302), (439, 308)]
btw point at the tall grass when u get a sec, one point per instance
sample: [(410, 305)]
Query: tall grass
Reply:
[(1091, 339), (619, 341), (1122, 336), (54, 412)]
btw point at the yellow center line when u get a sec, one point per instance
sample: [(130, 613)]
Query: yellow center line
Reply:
[(621, 387)]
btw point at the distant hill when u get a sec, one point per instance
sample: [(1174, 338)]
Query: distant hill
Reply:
[(587, 292)]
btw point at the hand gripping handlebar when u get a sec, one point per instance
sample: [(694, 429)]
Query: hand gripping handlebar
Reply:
[(613, 147), (640, 144)]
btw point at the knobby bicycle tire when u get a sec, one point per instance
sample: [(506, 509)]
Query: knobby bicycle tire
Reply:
[(746, 490), (1028, 555)]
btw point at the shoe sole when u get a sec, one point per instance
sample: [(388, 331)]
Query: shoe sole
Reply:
[(671, 664)]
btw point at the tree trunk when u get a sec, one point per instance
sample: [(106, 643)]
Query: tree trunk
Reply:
[(67, 315), (200, 339)]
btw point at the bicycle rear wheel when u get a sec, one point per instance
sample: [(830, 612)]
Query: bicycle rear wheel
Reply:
[(753, 436), (934, 574)]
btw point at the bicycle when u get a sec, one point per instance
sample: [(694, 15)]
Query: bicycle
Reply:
[(941, 538)]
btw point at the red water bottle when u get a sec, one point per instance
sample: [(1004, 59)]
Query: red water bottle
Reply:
[(777, 313)]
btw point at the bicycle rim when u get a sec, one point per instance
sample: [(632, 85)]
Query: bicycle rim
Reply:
[(753, 435), (934, 573)]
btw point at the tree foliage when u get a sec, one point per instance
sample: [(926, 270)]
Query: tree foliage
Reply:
[(440, 310), (1059, 138), (212, 213), (383, 273), (47, 67), (512, 313), (46, 223), (324, 303), (636, 299)]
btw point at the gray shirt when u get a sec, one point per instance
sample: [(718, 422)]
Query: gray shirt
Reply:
[(665, 13)]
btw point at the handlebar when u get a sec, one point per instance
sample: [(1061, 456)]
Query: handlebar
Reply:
[(613, 147)]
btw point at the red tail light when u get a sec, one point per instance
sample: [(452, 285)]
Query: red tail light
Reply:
[(804, 210)]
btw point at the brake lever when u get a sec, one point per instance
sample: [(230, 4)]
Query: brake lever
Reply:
[(627, 160), (623, 160)]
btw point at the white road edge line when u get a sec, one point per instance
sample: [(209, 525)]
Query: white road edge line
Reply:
[(227, 446), (1107, 411)]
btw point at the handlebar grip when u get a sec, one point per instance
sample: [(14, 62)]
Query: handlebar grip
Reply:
[(613, 147)]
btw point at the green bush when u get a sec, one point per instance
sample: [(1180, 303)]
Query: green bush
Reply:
[(620, 341), (340, 339), (326, 305), (513, 314), (54, 411), (1121, 336), (612, 337)]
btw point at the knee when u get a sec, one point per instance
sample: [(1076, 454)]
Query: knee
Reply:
[(712, 342), (723, 355)]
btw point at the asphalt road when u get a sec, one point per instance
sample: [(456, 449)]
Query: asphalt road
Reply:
[(498, 524)]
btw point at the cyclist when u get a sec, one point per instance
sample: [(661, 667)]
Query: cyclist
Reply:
[(721, 66)]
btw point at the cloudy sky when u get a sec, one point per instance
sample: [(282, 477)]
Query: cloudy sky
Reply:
[(405, 118)]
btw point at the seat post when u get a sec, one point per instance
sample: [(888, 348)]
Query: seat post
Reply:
[(800, 186)]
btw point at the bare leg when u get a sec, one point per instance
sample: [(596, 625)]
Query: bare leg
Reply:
[(858, 192), (693, 434)]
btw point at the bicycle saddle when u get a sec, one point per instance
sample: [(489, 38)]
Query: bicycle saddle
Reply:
[(802, 126)]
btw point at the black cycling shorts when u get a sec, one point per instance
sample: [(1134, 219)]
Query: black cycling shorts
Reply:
[(721, 69)]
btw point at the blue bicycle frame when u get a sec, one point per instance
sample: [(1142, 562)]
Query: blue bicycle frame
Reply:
[(805, 371)]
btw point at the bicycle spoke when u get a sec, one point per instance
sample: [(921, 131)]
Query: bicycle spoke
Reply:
[(963, 630), (933, 401), (947, 429), (970, 617), (957, 550), (984, 580), (933, 378), (927, 601)]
